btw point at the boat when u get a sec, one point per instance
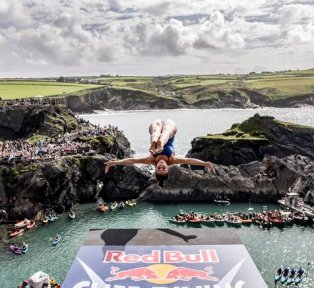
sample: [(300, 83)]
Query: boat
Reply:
[(44, 220), (17, 232), (299, 276), (177, 221), (195, 221), (284, 275), (71, 215), (15, 249), (278, 274), (56, 240), (113, 206), (121, 205), (278, 222), (291, 277), (24, 248), (103, 208), (234, 222), (300, 218), (208, 221), (130, 203), (22, 223), (51, 218), (31, 224), (222, 201), (246, 221)]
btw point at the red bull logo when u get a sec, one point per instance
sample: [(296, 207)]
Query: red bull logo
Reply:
[(168, 257), (162, 274), (162, 271)]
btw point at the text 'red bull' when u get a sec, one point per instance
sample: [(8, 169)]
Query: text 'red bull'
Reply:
[(204, 256)]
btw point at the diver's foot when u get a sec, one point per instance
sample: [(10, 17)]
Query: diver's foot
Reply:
[(152, 148), (159, 148)]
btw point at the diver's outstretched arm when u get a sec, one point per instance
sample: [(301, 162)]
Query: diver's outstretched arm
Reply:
[(193, 161), (127, 161)]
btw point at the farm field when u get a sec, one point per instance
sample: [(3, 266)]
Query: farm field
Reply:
[(23, 89)]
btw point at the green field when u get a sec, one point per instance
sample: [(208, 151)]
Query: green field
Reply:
[(283, 87), (24, 89), (190, 88)]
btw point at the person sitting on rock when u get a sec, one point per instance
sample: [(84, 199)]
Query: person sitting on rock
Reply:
[(161, 150)]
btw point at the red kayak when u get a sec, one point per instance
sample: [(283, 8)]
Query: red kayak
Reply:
[(31, 224), (16, 232)]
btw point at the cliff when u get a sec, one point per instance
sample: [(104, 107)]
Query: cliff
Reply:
[(129, 98), (24, 121), (254, 139), (120, 99)]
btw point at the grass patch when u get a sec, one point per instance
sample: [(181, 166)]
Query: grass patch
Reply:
[(24, 89), (283, 87)]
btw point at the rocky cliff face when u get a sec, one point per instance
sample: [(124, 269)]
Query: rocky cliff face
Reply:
[(265, 181), (24, 121), (63, 183), (254, 139), (120, 99), (128, 99)]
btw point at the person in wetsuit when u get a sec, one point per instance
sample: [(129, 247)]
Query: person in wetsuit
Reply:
[(162, 155)]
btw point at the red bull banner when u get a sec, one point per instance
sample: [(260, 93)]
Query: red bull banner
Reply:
[(197, 266)]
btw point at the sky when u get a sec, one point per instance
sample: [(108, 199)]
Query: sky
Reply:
[(40, 38)]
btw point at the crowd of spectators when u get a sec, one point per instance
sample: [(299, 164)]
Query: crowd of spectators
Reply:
[(34, 101), (15, 151)]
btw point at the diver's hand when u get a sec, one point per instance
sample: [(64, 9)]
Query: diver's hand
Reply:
[(108, 164), (211, 168)]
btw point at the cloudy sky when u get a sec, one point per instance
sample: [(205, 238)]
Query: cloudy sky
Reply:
[(154, 37)]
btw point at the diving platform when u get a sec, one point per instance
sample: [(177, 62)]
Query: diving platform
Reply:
[(163, 258)]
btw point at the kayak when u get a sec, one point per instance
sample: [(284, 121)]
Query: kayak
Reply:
[(56, 240), (113, 206), (31, 224), (15, 249), (22, 224), (16, 232), (278, 274), (44, 220), (299, 276), (291, 277), (121, 205), (24, 248), (103, 208), (285, 275), (71, 215)]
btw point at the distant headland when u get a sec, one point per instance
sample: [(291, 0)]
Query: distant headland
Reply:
[(91, 93)]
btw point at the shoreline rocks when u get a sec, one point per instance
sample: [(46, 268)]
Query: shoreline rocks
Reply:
[(283, 158)]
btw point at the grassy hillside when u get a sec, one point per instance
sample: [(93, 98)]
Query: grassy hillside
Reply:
[(263, 87), (23, 89)]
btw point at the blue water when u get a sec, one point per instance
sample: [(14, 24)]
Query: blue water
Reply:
[(291, 246)]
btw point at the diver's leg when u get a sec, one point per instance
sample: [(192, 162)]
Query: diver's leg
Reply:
[(154, 131), (169, 130)]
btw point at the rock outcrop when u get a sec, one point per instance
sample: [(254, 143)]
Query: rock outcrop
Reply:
[(24, 121), (254, 139), (121, 99)]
